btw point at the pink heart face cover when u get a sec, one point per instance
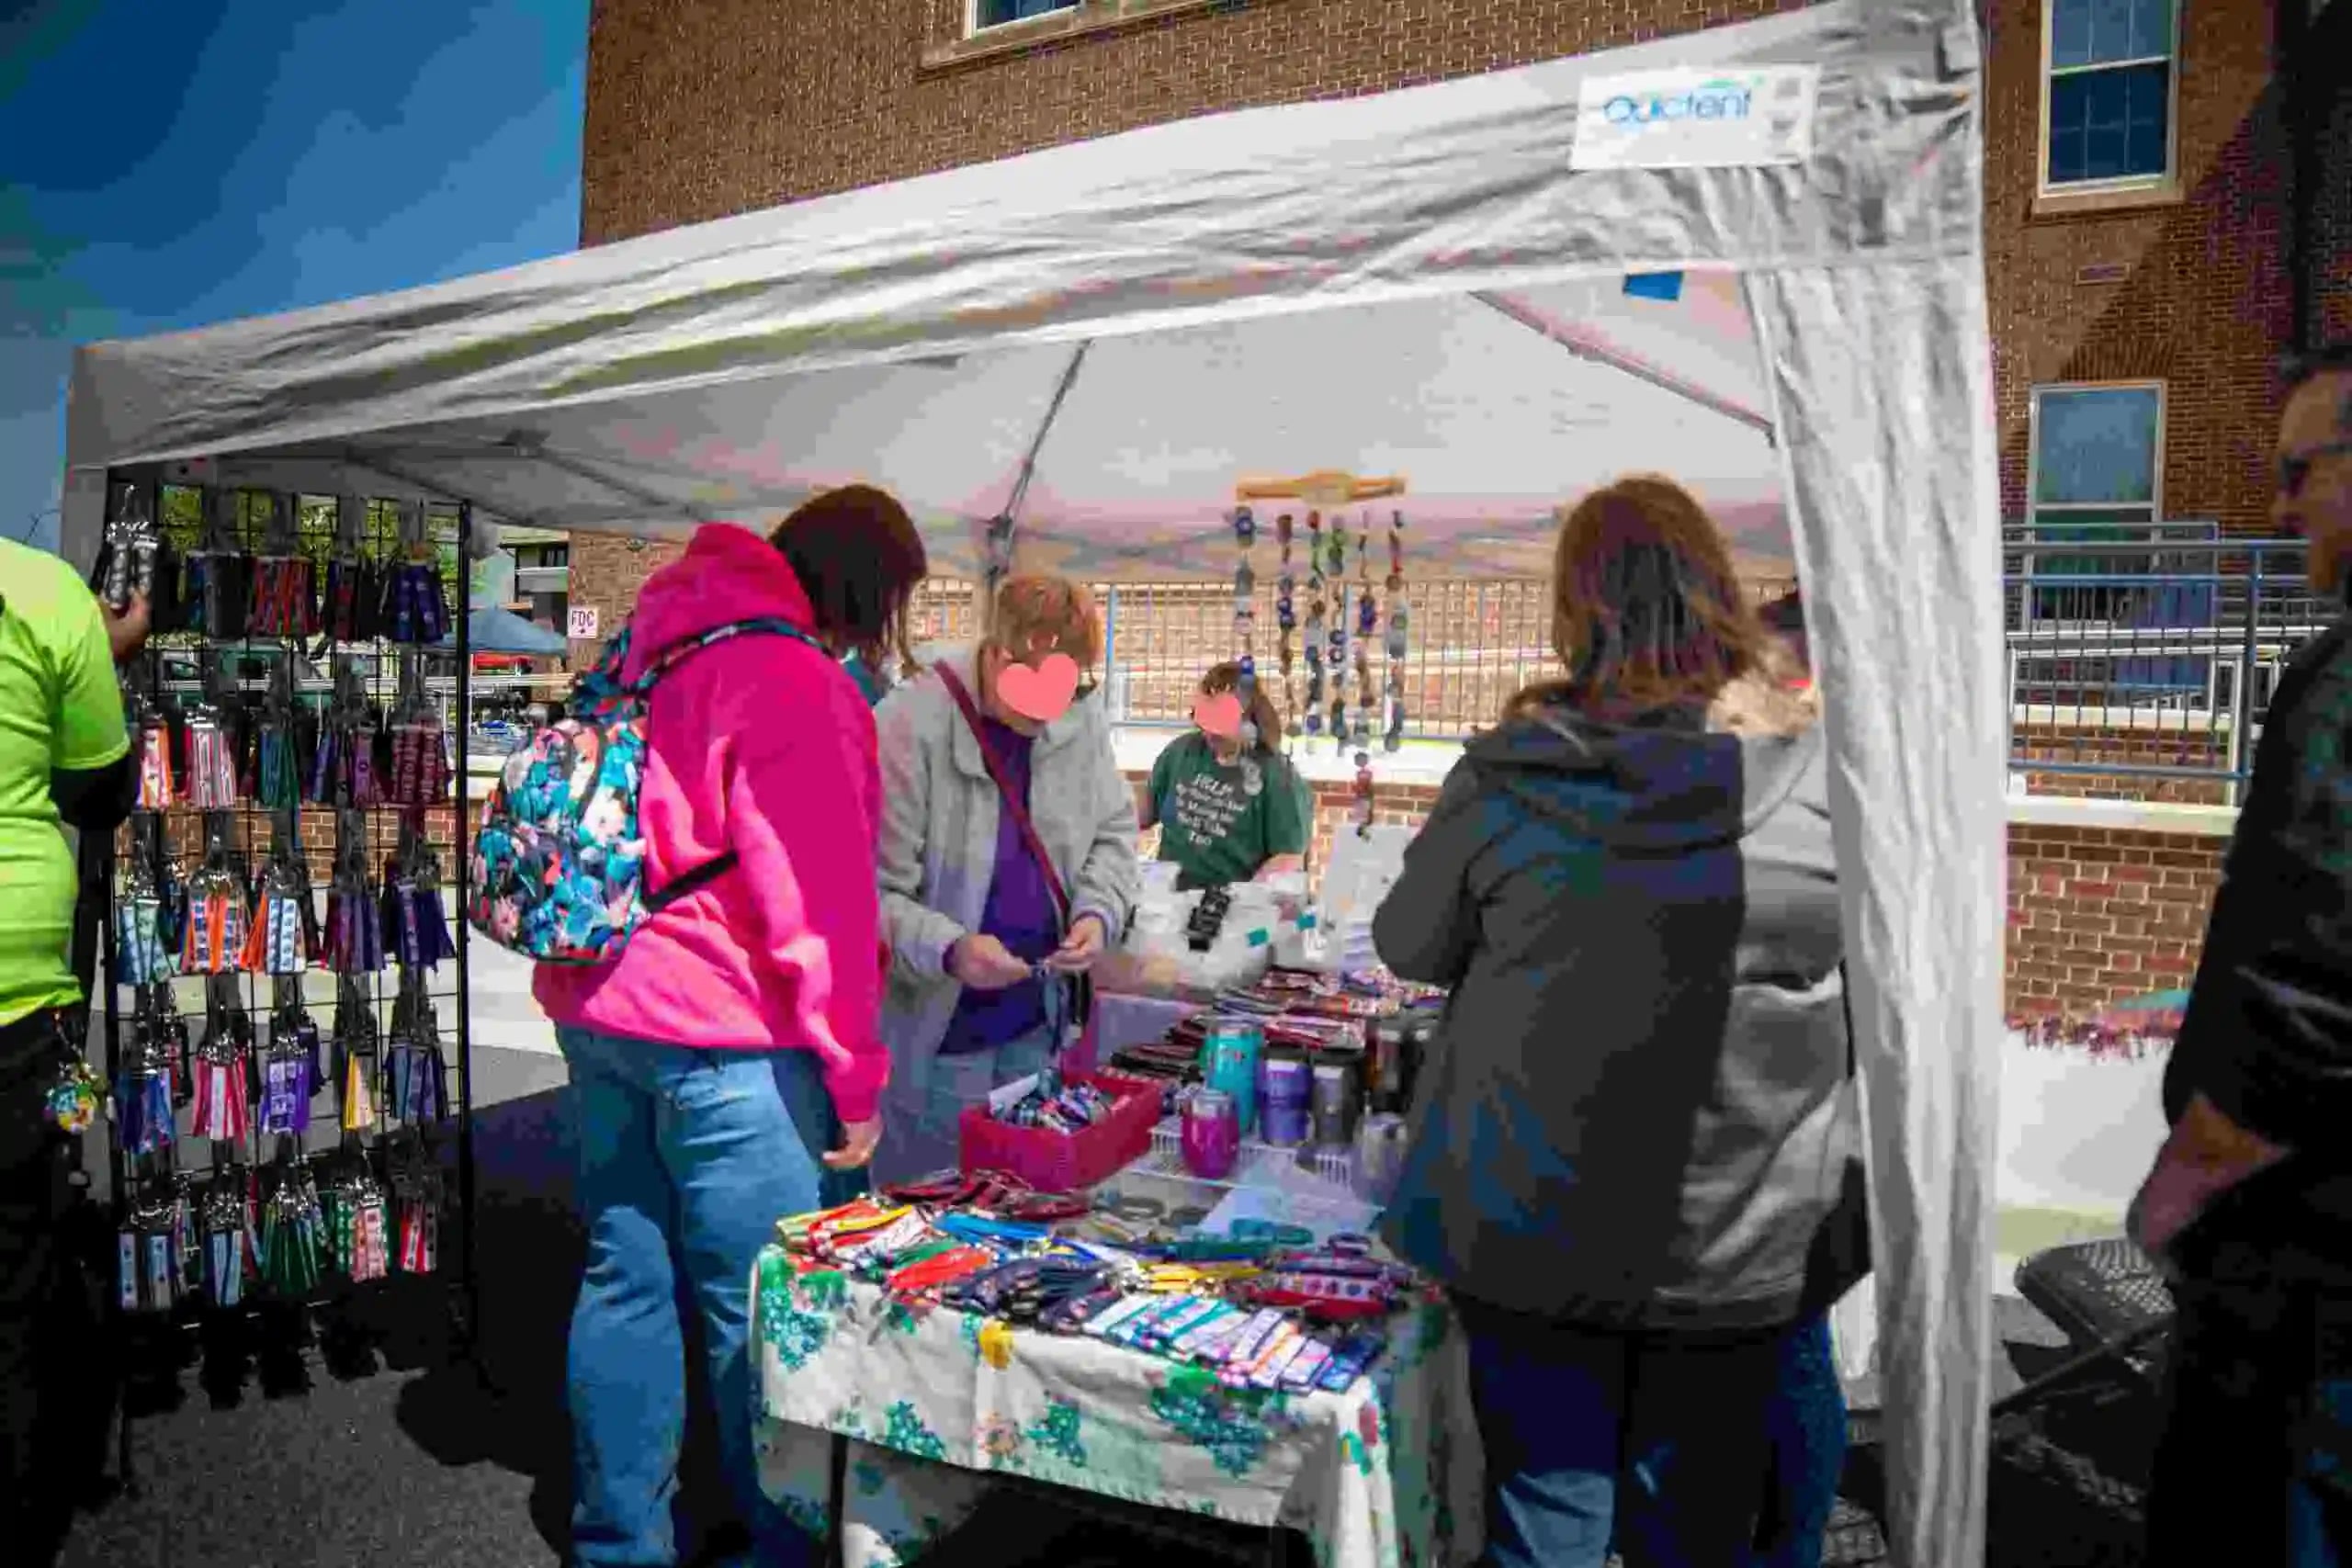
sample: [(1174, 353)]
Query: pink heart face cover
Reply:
[(1040, 693), (1219, 717)]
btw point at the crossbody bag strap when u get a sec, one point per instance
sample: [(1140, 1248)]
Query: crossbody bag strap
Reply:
[(1012, 804), (663, 663)]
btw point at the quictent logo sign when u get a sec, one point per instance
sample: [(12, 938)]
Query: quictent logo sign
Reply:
[(1723, 98), (1684, 119)]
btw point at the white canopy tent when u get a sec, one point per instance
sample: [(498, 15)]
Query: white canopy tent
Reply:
[(1102, 338)]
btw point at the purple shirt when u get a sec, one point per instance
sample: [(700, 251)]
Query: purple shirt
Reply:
[(1018, 913)]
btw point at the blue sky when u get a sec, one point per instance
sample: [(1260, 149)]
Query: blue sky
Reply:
[(168, 165)]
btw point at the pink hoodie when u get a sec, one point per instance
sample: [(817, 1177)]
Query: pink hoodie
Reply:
[(765, 746)]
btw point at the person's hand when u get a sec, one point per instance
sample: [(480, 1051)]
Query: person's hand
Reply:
[(858, 1140), (1081, 948), (127, 632), (2206, 1155), (982, 963)]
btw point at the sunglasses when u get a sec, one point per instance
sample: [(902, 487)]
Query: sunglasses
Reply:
[(2293, 471)]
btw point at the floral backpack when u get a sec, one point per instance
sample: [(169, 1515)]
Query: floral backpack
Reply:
[(558, 870)]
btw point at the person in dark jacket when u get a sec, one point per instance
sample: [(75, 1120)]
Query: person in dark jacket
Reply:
[(2249, 1204), (1637, 1114)]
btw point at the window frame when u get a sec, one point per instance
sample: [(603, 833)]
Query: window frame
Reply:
[(2034, 507), (2032, 546), (2044, 185), (974, 29)]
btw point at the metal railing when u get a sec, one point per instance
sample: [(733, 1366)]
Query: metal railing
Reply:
[(2143, 668), (2139, 667)]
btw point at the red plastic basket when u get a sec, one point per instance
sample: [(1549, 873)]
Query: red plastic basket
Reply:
[(1064, 1162)]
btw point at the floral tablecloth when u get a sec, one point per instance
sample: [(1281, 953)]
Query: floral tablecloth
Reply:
[(1385, 1475)]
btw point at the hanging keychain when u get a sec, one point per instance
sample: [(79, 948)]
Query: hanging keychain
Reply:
[(1286, 615), (285, 601), (361, 1231), (1311, 714), (214, 941), (417, 1212), (147, 1275), (225, 1261), (292, 1234), (420, 755), (346, 586), (171, 907), (212, 769), (1393, 731), (275, 944), (140, 956), (356, 1052), (128, 571), (223, 1106), (420, 607), (416, 930), (175, 1056), (143, 1098), (1245, 626), (354, 930), (156, 786), (1335, 656), (416, 1087), (287, 1084), (1367, 624)]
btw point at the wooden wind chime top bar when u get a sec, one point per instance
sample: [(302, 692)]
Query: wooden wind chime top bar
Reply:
[(1327, 644)]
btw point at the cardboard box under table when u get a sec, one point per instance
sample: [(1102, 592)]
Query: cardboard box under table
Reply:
[(933, 1403)]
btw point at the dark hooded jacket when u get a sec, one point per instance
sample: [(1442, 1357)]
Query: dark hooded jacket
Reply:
[(1638, 1112)]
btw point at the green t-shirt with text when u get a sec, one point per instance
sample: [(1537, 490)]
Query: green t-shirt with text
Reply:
[(1211, 824), (60, 711)]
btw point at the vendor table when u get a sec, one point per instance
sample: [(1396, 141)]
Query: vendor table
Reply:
[(932, 1402)]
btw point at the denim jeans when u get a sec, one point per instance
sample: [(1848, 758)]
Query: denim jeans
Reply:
[(688, 1158), (1806, 1425), (2258, 1426), (923, 1106), (1653, 1440)]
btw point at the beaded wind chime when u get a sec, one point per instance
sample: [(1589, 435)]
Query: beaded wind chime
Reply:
[(1326, 642), (1245, 637)]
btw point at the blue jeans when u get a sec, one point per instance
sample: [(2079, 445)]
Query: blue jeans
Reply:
[(688, 1158), (1656, 1440), (923, 1106), (1806, 1425)]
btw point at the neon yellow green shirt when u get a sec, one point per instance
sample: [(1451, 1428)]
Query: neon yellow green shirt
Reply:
[(60, 709)]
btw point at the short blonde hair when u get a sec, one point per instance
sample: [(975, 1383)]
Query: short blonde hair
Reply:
[(1035, 616)]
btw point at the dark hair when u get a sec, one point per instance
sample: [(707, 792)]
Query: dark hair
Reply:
[(859, 558), (1226, 677)]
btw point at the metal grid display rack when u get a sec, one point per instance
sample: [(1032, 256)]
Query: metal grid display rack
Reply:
[(283, 1007)]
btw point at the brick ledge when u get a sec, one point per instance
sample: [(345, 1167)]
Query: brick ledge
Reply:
[(2129, 815)]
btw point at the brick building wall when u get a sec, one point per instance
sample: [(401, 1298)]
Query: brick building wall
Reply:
[(2204, 304)]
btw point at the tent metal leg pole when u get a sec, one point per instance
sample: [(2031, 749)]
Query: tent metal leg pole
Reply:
[(467, 1338)]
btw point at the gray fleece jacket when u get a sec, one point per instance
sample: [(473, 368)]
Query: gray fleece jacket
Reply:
[(1637, 1112), (937, 850)]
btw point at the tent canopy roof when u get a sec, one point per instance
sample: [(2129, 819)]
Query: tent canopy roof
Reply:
[(1416, 283)]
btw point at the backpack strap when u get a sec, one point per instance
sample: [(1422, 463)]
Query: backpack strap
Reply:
[(678, 652), (663, 662)]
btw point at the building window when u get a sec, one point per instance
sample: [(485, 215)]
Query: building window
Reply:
[(2109, 94), (2096, 462), (997, 13)]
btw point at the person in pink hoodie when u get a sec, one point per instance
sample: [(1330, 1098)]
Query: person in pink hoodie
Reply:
[(731, 1057)]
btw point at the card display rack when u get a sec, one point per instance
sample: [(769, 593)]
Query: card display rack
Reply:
[(283, 1011)]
